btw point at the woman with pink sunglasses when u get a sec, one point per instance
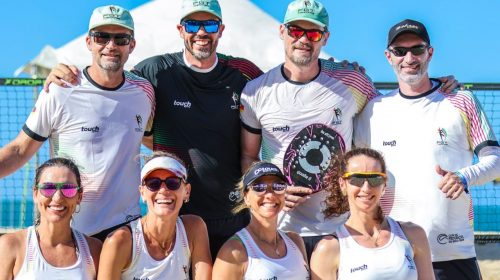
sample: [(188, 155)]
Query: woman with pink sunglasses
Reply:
[(260, 250), (369, 245), (162, 244), (51, 249)]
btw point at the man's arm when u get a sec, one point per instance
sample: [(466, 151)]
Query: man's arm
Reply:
[(250, 147), (147, 141), (17, 153)]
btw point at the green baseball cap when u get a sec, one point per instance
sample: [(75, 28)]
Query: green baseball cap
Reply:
[(308, 10), (111, 15), (207, 6)]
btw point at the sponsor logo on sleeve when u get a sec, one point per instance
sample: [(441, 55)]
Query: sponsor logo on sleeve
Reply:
[(450, 238)]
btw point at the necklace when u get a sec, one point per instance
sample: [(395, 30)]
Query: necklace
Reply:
[(372, 238), (163, 246), (73, 240), (274, 246)]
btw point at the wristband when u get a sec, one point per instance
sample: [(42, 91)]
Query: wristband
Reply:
[(463, 181)]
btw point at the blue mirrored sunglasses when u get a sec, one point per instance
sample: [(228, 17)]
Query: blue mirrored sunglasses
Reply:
[(193, 26)]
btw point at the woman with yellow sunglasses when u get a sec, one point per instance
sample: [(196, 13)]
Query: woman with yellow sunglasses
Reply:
[(369, 245)]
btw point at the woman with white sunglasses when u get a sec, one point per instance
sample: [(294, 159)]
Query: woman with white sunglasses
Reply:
[(369, 245), (162, 244), (260, 250), (51, 249)]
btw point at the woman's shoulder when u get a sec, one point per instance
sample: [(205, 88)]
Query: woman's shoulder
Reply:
[(13, 241), (414, 233), (192, 221), (233, 249), (119, 237)]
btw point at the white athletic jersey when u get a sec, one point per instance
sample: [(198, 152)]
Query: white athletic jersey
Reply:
[(280, 109), (101, 130), (143, 266), (415, 134), (291, 267), (393, 261), (36, 267)]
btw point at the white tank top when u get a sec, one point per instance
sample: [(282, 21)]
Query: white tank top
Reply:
[(292, 266), (392, 261), (174, 266), (36, 267)]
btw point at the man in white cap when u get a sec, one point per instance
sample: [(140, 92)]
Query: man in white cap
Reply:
[(428, 138), (98, 123)]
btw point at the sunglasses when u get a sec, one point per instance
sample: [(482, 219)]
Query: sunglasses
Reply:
[(193, 26), (154, 183), (374, 179), (261, 188), (48, 189), (313, 35), (103, 38), (402, 51)]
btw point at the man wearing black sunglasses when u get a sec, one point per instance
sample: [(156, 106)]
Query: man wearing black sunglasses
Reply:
[(197, 95), (428, 138), (99, 123)]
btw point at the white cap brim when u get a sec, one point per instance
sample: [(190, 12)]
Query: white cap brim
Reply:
[(166, 163)]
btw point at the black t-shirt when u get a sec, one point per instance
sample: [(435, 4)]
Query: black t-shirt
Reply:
[(197, 118)]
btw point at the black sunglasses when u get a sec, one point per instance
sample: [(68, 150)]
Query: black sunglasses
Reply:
[(374, 179), (103, 38), (154, 183), (402, 51)]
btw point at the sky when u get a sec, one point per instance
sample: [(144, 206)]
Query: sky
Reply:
[(464, 33)]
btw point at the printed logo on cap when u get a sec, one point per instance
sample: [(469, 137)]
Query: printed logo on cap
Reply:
[(309, 154), (115, 13)]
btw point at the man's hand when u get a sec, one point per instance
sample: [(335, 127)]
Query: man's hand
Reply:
[(347, 65), (449, 83), (450, 184), (61, 73), (294, 196)]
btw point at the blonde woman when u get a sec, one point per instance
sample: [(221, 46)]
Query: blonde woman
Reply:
[(160, 245), (260, 250)]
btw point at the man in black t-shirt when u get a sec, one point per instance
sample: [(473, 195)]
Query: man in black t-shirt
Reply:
[(197, 95), (197, 117)]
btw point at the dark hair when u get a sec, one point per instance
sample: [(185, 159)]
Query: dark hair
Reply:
[(57, 162), (337, 203)]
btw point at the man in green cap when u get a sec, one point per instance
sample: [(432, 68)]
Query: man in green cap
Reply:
[(310, 98), (99, 123), (197, 99)]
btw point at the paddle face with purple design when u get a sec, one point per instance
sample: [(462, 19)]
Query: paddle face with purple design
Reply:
[(309, 154)]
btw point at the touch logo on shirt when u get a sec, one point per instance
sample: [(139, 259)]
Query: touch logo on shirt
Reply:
[(359, 268), (184, 104)]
